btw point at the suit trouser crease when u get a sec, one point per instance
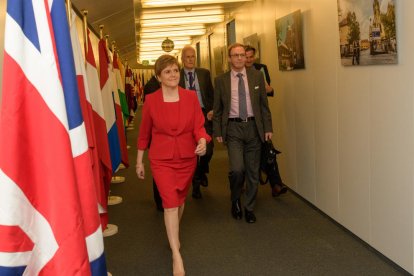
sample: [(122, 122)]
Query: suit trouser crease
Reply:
[(243, 147)]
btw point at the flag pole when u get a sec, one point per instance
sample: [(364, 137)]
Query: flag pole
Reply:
[(69, 11), (107, 42), (101, 31), (85, 31), (113, 200), (111, 229)]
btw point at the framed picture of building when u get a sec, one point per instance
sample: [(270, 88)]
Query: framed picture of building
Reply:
[(367, 32), (253, 41), (290, 42)]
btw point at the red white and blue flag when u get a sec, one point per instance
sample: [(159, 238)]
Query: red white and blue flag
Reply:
[(90, 187), (121, 108), (129, 87), (44, 156), (106, 83), (120, 82), (105, 168)]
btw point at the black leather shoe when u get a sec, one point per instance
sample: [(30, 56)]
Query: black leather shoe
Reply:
[(196, 193), (279, 189), (249, 216), (236, 210), (204, 181)]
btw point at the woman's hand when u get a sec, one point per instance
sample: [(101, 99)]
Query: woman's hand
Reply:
[(201, 147), (140, 170)]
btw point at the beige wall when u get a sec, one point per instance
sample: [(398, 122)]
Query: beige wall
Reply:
[(346, 133)]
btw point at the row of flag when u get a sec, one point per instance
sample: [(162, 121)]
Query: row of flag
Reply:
[(62, 136)]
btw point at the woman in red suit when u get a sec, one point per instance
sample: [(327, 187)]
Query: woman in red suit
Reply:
[(173, 123)]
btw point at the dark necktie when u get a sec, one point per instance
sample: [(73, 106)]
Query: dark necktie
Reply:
[(191, 81), (242, 98)]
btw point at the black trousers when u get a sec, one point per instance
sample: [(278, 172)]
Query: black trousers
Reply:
[(203, 164)]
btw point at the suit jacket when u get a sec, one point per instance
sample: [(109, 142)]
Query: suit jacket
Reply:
[(260, 66), (164, 140), (151, 86), (263, 67), (206, 86), (222, 102)]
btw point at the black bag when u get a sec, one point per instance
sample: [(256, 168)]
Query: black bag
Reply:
[(267, 160)]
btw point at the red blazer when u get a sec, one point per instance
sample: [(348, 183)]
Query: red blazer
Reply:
[(164, 140)]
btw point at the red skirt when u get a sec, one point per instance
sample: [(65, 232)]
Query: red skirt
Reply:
[(173, 179)]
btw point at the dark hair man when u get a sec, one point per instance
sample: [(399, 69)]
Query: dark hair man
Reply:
[(250, 62), (273, 174)]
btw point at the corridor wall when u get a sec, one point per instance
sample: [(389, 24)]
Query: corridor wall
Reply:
[(346, 133)]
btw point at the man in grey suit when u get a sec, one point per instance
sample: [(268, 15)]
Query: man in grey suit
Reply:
[(242, 120), (199, 80)]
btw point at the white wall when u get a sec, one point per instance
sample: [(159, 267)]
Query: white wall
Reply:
[(346, 133)]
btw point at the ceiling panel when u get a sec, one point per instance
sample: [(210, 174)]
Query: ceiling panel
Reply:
[(122, 22)]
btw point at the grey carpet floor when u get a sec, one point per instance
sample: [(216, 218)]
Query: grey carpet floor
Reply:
[(289, 238)]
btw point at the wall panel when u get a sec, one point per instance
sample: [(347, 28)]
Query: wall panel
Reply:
[(346, 133)]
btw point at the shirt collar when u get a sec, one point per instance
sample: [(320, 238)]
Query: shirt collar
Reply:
[(234, 73), (192, 71)]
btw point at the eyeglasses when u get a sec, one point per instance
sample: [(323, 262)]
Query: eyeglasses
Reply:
[(238, 55)]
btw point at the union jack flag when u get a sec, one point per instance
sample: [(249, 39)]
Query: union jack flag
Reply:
[(45, 163)]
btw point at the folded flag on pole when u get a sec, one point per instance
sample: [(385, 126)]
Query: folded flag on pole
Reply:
[(102, 145), (108, 105), (117, 65), (116, 89), (43, 148), (129, 88), (92, 186)]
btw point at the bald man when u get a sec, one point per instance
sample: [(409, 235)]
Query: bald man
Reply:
[(199, 80)]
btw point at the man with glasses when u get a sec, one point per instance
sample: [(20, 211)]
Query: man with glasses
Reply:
[(199, 80), (242, 120)]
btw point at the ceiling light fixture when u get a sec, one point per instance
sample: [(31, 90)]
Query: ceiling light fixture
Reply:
[(157, 44), (181, 9), (173, 33), (166, 3), (173, 28), (158, 40), (180, 13), (185, 20)]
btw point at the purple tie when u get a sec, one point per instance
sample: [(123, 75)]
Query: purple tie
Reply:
[(242, 98), (191, 81)]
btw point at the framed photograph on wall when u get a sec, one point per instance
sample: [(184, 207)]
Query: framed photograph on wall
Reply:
[(290, 42), (367, 32), (218, 60), (253, 41)]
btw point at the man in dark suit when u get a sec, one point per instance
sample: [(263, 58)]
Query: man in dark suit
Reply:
[(199, 80), (275, 180), (250, 62), (242, 120)]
